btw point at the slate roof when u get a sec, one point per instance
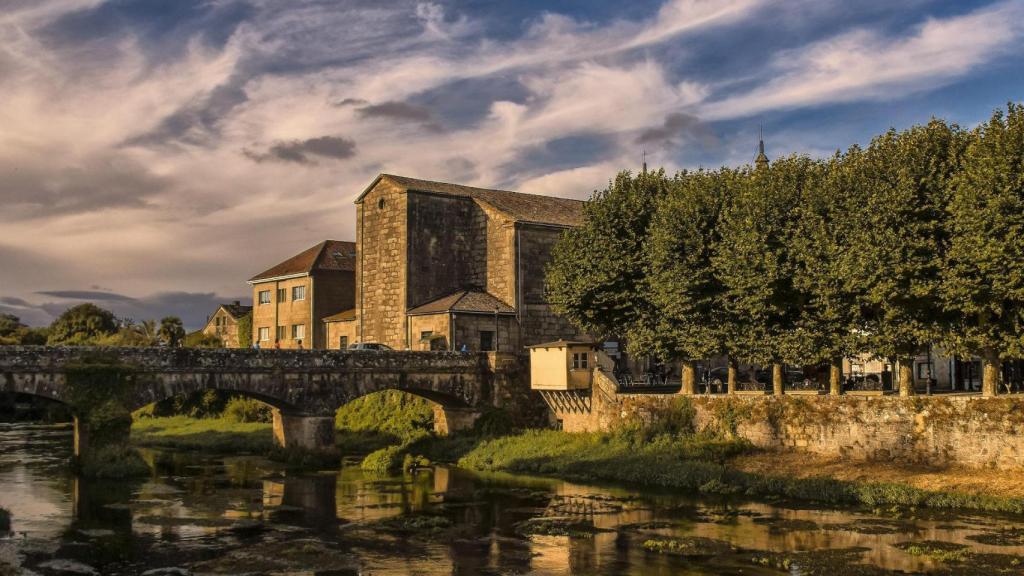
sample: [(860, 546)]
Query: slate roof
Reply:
[(531, 208), (329, 255), (464, 301), (343, 316), (236, 311)]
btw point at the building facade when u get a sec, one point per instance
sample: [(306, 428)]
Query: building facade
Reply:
[(291, 299), (224, 323), (444, 266)]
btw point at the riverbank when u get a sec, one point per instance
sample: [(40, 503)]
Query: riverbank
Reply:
[(674, 459), (706, 465), (203, 434)]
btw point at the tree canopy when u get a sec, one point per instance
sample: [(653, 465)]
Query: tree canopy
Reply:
[(82, 324)]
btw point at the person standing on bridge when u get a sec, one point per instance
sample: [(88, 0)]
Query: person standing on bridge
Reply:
[(277, 344), (299, 344)]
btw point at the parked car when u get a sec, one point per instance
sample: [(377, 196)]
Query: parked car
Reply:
[(368, 347)]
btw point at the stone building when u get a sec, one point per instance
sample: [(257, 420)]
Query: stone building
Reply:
[(224, 323), (444, 266), (291, 299)]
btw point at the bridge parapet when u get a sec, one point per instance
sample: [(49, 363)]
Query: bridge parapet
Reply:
[(54, 359)]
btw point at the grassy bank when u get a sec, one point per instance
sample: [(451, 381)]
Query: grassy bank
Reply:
[(697, 464), (206, 434)]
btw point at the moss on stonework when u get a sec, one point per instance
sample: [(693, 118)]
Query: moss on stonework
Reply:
[(98, 388)]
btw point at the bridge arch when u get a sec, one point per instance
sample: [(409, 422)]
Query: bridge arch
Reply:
[(305, 387)]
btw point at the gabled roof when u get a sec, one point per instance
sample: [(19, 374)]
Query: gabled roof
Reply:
[(236, 311), (528, 208), (343, 316), (329, 255), (562, 343), (464, 301)]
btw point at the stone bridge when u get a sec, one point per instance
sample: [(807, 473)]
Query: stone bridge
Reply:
[(305, 387)]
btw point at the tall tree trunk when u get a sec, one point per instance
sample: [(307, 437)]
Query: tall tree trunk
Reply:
[(991, 372), (777, 383), (835, 377), (906, 376), (732, 374), (689, 379)]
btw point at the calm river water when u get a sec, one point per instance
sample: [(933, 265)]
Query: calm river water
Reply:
[(247, 515)]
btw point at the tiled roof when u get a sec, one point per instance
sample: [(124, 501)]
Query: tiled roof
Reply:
[(521, 207), (564, 343), (236, 311), (464, 301), (343, 316), (329, 255)]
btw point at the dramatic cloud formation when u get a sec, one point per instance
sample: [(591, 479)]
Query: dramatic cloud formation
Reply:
[(148, 147)]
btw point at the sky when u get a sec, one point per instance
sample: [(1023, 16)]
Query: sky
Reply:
[(155, 154)]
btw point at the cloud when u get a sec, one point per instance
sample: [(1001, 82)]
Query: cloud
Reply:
[(192, 307), (865, 64), (677, 126), (301, 151), (401, 111), (86, 295)]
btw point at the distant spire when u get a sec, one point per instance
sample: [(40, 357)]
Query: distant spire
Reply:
[(645, 161), (761, 161)]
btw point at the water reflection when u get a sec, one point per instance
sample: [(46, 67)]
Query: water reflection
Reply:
[(247, 514)]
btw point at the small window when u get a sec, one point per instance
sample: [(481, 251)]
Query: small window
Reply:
[(264, 334), (580, 361), (426, 334), (298, 293), (343, 342), (282, 332), (298, 331), (487, 340), (380, 204), (265, 297), (282, 295)]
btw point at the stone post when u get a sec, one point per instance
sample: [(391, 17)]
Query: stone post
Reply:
[(905, 376), (689, 377), (778, 386), (733, 375), (309, 432), (991, 373), (835, 377)]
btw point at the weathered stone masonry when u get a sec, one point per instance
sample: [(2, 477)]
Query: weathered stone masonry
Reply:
[(969, 431), (305, 387)]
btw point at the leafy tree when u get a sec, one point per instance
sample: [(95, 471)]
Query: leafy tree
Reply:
[(81, 325), (245, 331), (756, 267), (684, 286), (900, 237), (10, 324), (198, 339), (597, 277), (983, 279), (171, 331), (825, 274)]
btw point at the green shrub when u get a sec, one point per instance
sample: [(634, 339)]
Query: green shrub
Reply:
[(384, 460), (391, 412), (494, 423), (240, 409)]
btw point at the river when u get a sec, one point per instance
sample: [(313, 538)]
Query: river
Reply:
[(204, 514)]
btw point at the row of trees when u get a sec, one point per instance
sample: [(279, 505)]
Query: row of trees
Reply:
[(90, 325), (916, 239)]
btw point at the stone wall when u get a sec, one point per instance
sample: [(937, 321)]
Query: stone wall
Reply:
[(968, 431), (468, 328), (332, 292), (381, 232), (313, 382), (443, 247)]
